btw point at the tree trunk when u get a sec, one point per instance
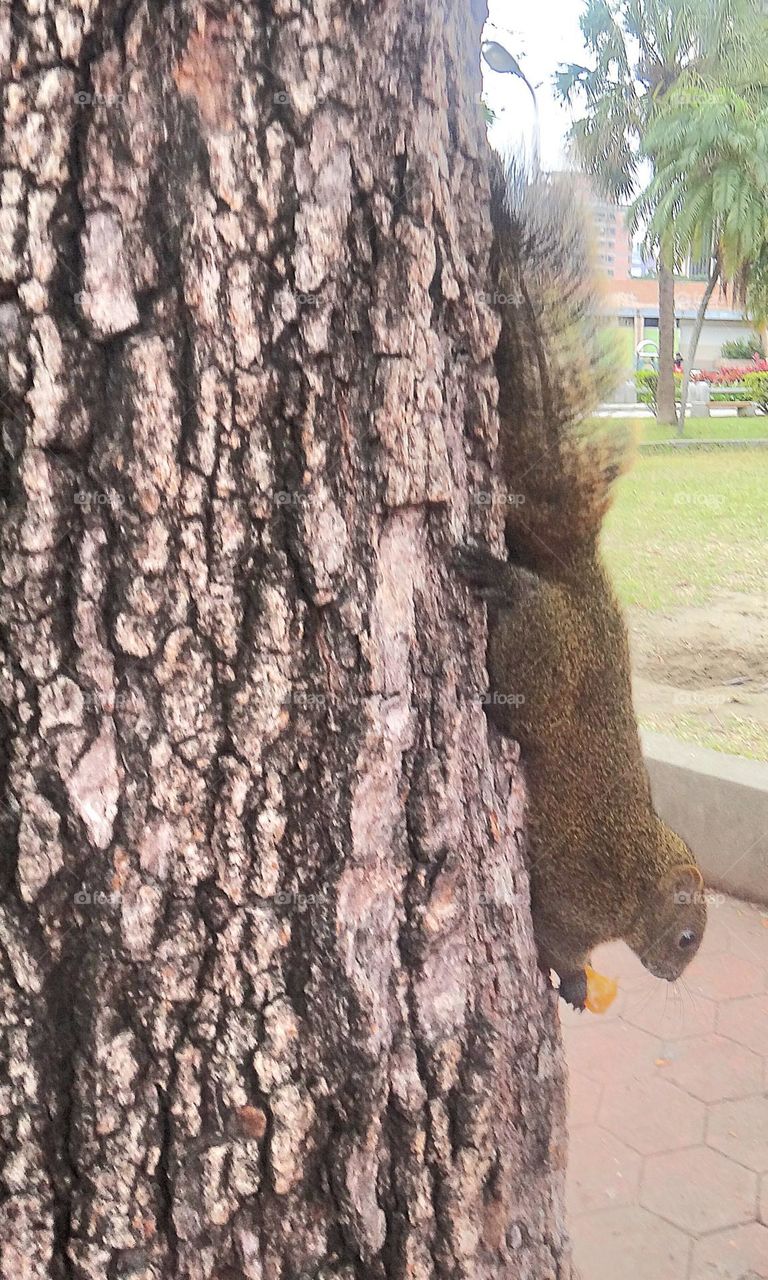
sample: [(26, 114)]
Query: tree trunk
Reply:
[(665, 406), (700, 314), (270, 1005)]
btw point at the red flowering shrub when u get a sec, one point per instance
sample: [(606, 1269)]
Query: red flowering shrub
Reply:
[(728, 375)]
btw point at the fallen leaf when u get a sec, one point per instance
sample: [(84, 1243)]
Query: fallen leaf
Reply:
[(601, 991)]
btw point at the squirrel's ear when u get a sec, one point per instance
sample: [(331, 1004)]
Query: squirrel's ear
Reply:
[(685, 879)]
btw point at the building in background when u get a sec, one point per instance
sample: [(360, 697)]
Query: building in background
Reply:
[(697, 268), (631, 288), (634, 305), (613, 243), (643, 261)]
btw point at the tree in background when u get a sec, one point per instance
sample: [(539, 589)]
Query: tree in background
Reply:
[(709, 192), (756, 301), (641, 50)]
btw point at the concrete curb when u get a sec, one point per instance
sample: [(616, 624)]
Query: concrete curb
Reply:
[(719, 804), (661, 446)]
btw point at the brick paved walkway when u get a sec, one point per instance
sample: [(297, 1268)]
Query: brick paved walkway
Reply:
[(668, 1176)]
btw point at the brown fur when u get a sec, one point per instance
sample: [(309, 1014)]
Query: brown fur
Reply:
[(603, 865)]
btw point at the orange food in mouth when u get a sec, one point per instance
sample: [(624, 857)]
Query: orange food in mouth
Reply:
[(601, 991)]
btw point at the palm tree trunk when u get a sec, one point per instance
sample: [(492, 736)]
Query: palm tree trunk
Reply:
[(665, 407), (702, 311)]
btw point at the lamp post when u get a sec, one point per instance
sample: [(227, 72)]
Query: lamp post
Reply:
[(502, 61)]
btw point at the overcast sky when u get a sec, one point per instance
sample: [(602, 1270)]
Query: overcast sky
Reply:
[(542, 33)]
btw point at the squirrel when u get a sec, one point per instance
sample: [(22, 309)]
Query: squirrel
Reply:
[(603, 865)]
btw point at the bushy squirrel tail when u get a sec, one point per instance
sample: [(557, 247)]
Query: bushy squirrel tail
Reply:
[(555, 361)]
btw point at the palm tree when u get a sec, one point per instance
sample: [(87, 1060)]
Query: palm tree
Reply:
[(641, 50), (757, 297), (709, 149)]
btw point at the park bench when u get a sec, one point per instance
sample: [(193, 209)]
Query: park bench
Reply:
[(742, 408)]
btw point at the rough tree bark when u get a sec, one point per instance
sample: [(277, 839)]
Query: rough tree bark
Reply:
[(269, 1006)]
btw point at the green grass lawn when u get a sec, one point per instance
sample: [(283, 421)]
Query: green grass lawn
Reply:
[(649, 431), (730, 428), (742, 737), (685, 525)]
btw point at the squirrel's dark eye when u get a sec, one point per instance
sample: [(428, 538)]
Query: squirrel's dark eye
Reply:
[(686, 939)]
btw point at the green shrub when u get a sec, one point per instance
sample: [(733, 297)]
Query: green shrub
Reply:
[(647, 384), (757, 385), (741, 348), (733, 396)]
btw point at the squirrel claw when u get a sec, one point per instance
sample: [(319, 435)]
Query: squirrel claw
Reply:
[(477, 564), (573, 989), (496, 581)]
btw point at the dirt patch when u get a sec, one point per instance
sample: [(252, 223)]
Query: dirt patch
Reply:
[(705, 664)]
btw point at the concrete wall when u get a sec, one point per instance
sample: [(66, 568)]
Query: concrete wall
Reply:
[(719, 805), (713, 335)]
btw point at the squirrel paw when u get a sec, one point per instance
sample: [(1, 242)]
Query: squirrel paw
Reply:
[(477, 564), (495, 580), (573, 988)]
